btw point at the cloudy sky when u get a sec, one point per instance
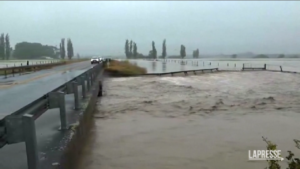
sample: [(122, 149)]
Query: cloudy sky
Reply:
[(101, 27)]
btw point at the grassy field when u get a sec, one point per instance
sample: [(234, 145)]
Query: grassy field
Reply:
[(124, 68)]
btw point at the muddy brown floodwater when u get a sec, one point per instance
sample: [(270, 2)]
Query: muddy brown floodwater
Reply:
[(209, 121)]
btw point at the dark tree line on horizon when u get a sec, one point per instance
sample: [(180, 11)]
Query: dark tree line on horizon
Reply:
[(70, 49), (131, 51), (153, 52), (5, 49), (29, 50)]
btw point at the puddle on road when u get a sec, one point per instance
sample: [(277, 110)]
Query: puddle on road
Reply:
[(200, 123)]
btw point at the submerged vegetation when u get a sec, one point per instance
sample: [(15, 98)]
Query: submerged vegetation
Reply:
[(124, 68)]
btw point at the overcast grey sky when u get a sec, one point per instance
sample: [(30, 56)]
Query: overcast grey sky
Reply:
[(101, 27)]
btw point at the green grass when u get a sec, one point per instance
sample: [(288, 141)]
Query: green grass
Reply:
[(124, 68)]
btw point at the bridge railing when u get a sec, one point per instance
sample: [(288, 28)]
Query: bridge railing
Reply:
[(236, 66), (20, 125), (22, 68)]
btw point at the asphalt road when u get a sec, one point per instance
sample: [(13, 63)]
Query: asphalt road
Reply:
[(18, 91), (15, 90)]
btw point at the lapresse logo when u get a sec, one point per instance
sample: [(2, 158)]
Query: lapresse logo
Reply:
[(265, 155)]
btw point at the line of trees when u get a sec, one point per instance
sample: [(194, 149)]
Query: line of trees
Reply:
[(196, 53), (153, 51), (28, 50), (132, 53), (5, 49), (131, 49), (70, 49)]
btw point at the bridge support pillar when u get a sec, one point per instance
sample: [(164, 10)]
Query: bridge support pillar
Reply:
[(88, 81), (30, 142), (90, 75), (100, 89), (57, 100), (83, 87), (62, 110), (76, 95)]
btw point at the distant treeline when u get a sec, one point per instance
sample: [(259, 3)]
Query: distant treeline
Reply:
[(266, 56), (131, 51), (28, 50)]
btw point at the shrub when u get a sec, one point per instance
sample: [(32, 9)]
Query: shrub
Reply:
[(124, 68), (293, 163)]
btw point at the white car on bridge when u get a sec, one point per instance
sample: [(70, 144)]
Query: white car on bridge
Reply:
[(96, 60)]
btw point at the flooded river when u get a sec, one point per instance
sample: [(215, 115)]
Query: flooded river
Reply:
[(171, 65), (209, 121)]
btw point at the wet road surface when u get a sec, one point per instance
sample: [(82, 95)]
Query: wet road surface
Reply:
[(19, 91), (207, 121), (16, 96), (42, 73)]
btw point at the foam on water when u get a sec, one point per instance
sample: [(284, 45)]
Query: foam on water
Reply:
[(180, 80), (120, 79)]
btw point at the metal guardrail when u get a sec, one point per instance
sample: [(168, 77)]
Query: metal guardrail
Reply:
[(20, 126), (247, 66), (182, 71), (26, 67)]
